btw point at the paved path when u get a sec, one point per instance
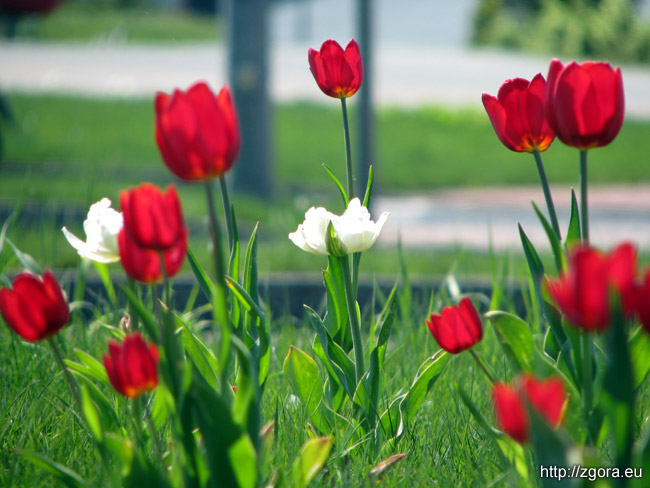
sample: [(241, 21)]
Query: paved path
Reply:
[(468, 217), (406, 75)]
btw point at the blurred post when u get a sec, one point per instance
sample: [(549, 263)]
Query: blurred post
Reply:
[(248, 73), (366, 120)]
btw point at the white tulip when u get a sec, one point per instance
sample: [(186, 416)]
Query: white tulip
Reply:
[(102, 226), (354, 230)]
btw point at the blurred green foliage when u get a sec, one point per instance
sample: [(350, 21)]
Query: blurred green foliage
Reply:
[(604, 29)]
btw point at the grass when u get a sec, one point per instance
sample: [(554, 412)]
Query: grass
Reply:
[(102, 20)]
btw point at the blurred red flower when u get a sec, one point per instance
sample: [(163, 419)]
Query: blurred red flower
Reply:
[(34, 308), (197, 132), (547, 397), (582, 293), (642, 301), (338, 73), (585, 103), (517, 114), (457, 328), (132, 365)]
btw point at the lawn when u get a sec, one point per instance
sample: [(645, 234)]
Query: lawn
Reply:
[(102, 20)]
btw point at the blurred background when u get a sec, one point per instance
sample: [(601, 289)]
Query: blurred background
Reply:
[(78, 77)]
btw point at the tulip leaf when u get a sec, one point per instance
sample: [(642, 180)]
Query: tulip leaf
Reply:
[(250, 266), (391, 421), (573, 235), (243, 460), (425, 378), (204, 280), (515, 337), (368, 195), (201, 356), (310, 460), (344, 194), (105, 277), (245, 299), (91, 415), (122, 449), (306, 381), (639, 346), (148, 320), (335, 359), (26, 260), (91, 366), (476, 413), (105, 406), (233, 266), (62, 473), (556, 246), (335, 287)]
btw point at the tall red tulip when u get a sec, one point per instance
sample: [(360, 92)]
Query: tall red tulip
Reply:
[(132, 365), (457, 328), (34, 308), (338, 73), (517, 114), (197, 132), (547, 397), (152, 219), (582, 293), (143, 264), (585, 103)]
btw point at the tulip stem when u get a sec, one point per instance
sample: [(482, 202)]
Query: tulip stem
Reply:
[(227, 210), (74, 387), (547, 193), (587, 375), (482, 365), (583, 196), (348, 150), (153, 433), (357, 343), (220, 305)]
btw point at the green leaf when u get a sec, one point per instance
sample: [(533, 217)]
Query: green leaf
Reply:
[(335, 359), (122, 449), (573, 234), (532, 258), (515, 337), (305, 379), (201, 356), (344, 194), (26, 260), (207, 287), (368, 195), (234, 252), (62, 473), (105, 278), (245, 299), (243, 460), (425, 378), (639, 346), (148, 320), (556, 246), (95, 369), (250, 267), (476, 413), (91, 415), (310, 460)]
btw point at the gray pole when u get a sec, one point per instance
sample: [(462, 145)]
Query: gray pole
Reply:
[(248, 72), (366, 120)]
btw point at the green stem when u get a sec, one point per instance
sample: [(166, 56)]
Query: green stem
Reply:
[(482, 365), (227, 210), (583, 196), (547, 193), (136, 410), (357, 343), (348, 151), (153, 433), (587, 375), (72, 383), (220, 306), (133, 315)]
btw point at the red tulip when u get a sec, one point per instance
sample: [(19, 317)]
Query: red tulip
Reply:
[(457, 328), (585, 103), (547, 397), (511, 412), (582, 293), (197, 133), (132, 366), (143, 264), (339, 73), (35, 308), (152, 219), (517, 114)]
